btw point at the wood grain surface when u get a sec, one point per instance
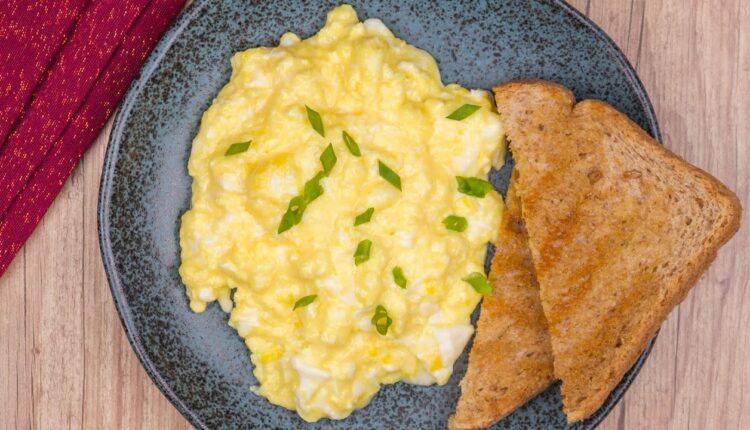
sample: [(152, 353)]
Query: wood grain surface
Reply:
[(65, 361)]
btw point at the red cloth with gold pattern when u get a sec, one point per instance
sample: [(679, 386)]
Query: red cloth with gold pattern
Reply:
[(63, 71)]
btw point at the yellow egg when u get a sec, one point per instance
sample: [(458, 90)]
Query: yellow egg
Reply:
[(326, 358)]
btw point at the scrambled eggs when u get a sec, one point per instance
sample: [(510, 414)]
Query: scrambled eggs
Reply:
[(338, 214)]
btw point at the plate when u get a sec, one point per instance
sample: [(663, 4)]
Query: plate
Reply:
[(198, 361)]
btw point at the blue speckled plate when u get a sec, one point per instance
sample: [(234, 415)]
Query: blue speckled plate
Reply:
[(198, 361)]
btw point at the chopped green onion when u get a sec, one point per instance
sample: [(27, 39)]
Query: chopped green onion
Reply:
[(381, 320), (479, 282), (362, 253), (455, 223), (298, 204), (473, 186), (398, 277), (364, 217), (351, 144), (389, 175), (328, 159), (313, 189), (463, 112), (305, 301), (289, 220), (237, 148), (293, 214), (315, 121), (310, 192)]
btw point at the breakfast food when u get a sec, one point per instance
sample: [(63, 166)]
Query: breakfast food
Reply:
[(511, 357), (340, 216), (338, 213), (619, 229)]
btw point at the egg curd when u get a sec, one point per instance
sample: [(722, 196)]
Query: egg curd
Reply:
[(338, 214)]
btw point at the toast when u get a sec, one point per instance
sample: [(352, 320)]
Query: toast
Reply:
[(511, 358), (619, 228)]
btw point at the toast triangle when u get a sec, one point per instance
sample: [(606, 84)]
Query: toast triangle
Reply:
[(619, 228), (511, 358)]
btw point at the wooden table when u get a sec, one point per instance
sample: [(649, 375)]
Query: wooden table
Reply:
[(65, 362)]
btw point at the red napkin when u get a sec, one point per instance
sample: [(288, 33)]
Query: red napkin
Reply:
[(63, 70)]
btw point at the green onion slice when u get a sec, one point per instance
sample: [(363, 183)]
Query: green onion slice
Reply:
[(381, 320), (455, 223), (293, 214), (315, 121), (362, 253), (304, 301), (398, 277), (351, 144), (310, 192), (364, 217), (313, 189), (328, 159), (479, 282), (473, 186), (237, 148), (389, 175), (298, 204), (463, 112)]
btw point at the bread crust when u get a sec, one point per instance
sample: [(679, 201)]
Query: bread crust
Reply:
[(589, 177)]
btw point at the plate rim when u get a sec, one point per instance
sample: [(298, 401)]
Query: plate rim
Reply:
[(112, 152)]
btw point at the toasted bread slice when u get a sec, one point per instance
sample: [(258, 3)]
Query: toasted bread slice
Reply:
[(511, 358), (619, 228)]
